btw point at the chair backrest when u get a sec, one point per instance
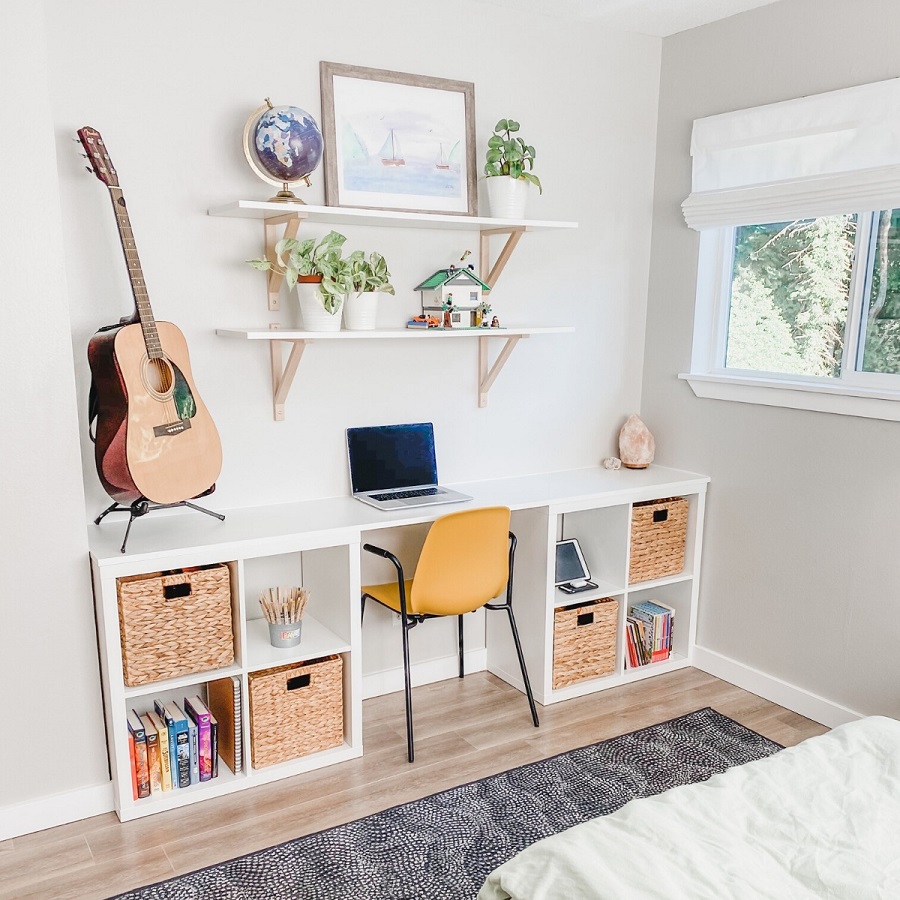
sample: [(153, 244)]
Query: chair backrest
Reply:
[(464, 562)]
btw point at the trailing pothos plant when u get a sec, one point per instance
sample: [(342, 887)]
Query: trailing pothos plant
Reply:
[(508, 154), (321, 258), (370, 274)]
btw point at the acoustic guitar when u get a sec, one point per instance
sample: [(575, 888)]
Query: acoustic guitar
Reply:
[(155, 439)]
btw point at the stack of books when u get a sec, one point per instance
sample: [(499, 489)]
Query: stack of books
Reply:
[(173, 746), (648, 633)]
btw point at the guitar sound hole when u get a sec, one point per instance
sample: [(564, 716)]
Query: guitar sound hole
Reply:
[(159, 377)]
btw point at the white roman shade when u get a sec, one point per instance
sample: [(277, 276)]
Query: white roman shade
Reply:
[(815, 156)]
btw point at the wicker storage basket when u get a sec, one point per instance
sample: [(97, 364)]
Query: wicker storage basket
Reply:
[(175, 623), (658, 533), (296, 710), (584, 641)]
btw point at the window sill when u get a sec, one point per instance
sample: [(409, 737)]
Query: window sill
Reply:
[(841, 399)]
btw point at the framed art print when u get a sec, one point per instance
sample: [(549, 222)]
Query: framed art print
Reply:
[(398, 141)]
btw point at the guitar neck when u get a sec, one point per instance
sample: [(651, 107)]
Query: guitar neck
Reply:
[(143, 312)]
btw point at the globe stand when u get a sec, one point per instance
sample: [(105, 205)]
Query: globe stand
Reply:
[(286, 195)]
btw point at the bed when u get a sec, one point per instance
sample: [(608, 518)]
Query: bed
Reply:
[(821, 819)]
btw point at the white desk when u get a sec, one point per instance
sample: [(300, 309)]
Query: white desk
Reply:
[(323, 538)]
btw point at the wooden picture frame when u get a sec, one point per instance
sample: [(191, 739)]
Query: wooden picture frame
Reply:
[(397, 141)]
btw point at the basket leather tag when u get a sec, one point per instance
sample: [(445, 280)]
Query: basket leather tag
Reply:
[(173, 591), (586, 619), (660, 515), (301, 681)]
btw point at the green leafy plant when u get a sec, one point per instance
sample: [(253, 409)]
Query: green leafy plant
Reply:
[(311, 257), (370, 274), (508, 154)]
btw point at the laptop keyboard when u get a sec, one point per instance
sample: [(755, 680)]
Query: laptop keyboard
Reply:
[(402, 495)]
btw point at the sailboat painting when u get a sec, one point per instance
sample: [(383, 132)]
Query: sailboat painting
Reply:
[(390, 152), (397, 141)]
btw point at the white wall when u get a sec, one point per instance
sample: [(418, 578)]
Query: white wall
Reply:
[(170, 85), (801, 567), (53, 723), (173, 130)]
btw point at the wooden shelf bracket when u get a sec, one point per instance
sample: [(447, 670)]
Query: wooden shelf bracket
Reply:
[(514, 234), (283, 373), (272, 226), (487, 376)]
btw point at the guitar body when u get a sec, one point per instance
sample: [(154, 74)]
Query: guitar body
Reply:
[(112, 410), (155, 439)]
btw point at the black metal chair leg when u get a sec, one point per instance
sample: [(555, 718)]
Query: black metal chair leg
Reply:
[(518, 643), (407, 679), (362, 614), (462, 667)]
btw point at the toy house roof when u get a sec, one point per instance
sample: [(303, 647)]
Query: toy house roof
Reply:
[(444, 276)]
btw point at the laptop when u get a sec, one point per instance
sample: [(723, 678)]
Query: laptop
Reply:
[(394, 467)]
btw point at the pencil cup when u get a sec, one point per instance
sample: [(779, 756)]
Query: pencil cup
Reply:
[(285, 634)]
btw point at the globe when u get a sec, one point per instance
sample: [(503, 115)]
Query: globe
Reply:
[(283, 145)]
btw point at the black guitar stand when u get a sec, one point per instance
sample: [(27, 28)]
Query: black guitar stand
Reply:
[(142, 506)]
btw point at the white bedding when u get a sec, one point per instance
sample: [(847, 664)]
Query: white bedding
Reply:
[(821, 819)]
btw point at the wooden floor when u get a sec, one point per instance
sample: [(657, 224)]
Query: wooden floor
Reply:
[(464, 730)]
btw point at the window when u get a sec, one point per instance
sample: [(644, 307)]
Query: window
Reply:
[(790, 287), (798, 289)]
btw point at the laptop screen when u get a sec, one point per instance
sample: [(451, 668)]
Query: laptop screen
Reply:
[(384, 457)]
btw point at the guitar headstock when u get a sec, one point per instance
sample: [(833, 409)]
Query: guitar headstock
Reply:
[(97, 156)]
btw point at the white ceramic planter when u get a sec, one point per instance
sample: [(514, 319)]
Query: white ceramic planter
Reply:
[(361, 310), (315, 316), (507, 196)]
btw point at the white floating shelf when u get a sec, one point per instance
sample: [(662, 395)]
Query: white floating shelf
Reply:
[(340, 215), (283, 373), (284, 220), (260, 334)]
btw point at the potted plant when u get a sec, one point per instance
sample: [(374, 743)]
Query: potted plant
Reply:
[(320, 273), (508, 168), (369, 278)]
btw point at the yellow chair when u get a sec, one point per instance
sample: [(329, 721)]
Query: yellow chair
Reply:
[(466, 562)]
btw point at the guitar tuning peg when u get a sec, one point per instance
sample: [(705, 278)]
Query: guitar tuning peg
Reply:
[(89, 169), (77, 140), (84, 155)]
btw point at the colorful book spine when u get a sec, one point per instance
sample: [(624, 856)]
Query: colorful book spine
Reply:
[(195, 750), (639, 633), (160, 709), (214, 744), (142, 769), (198, 713), (165, 767), (634, 641), (153, 755), (658, 620), (177, 721), (134, 784)]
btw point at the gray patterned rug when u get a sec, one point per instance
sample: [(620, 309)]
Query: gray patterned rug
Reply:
[(443, 846)]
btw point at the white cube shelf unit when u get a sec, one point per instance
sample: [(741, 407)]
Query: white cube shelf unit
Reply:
[(326, 564), (602, 525), (316, 544)]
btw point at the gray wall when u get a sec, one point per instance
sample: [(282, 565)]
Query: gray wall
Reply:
[(801, 561)]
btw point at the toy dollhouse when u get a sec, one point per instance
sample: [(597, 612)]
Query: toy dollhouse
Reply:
[(456, 297)]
